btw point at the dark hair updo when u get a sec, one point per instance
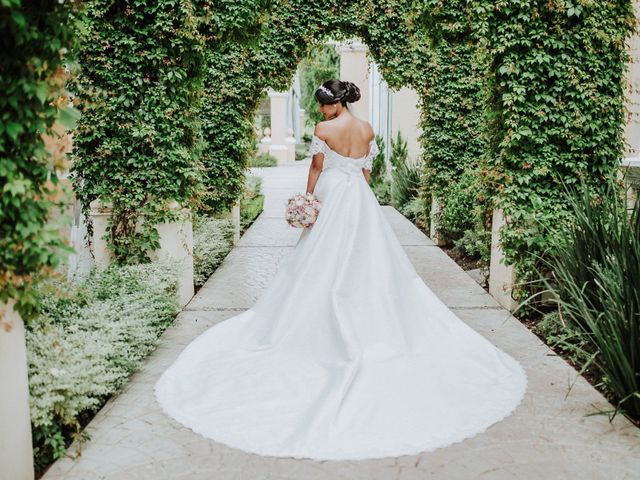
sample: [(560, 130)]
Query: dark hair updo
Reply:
[(339, 91)]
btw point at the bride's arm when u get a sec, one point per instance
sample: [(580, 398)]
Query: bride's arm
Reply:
[(315, 169), (317, 149)]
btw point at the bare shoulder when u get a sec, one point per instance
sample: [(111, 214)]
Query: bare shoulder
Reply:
[(321, 130), (327, 127), (367, 129)]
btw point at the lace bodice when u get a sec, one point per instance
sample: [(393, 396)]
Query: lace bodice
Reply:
[(333, 159)]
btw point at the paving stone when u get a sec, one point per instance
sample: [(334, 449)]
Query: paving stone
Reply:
[(550, 436), (270, 232), (406, 231), (240, 279)]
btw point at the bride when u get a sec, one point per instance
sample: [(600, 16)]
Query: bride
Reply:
[(347, 354)]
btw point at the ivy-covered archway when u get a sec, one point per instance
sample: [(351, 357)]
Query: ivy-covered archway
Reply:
[(248, 50), (516, 97)]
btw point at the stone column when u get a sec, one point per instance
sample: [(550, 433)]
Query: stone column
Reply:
[(354, 67), (176, 242), (294, 108), (233, 214), (99, 213), (257, 131), (235, 217), (290, 142), (16, 453), (278, 125), (629, 174), (265, 142), (501, 277), (433, 222), (301, 112)]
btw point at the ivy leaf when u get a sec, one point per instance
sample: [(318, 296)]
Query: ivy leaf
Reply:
[(69, 117), (17, 186), (14, 129), (525, 132), (18, 19), (42, 91), (574, 10)]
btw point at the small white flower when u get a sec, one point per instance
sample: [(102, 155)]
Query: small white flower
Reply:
[(56, 372)]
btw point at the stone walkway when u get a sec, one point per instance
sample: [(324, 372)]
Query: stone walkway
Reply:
[(548, 437)]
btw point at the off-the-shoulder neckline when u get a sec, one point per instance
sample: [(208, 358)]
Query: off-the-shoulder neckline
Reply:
[(343, 156)]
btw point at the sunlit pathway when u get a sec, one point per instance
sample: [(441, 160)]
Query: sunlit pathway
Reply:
[(548, 437)]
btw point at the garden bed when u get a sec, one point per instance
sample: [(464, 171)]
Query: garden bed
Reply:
[(92, 334), (89, 338)]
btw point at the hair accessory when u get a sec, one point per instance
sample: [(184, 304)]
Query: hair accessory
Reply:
[(326, 90)]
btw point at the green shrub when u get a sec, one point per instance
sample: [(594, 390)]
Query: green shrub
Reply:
[(382, 191), (399, 151), (405, 177), (263, 160), (415, 210), (594, 266), (252, 186), (87, 341), (212, 241), (405, 182), (458, 205), (252, 202), (558, 334), (379, 167), (250, 208), (302, 151), (476, 243)]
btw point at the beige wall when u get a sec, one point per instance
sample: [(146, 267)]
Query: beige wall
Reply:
[(377, 101), (632, 130), (405, 117), (354, 67)]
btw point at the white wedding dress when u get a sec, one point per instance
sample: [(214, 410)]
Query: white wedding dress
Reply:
[(347, 354)]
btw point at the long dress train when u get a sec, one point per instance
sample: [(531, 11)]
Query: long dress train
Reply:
[(347, 354)]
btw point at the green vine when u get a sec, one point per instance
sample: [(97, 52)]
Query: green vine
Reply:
[(138, 143), (555, 111), (452, 121), (36, 36), (517, 97)]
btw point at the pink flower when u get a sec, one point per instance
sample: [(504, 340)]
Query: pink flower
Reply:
[(302, 210)]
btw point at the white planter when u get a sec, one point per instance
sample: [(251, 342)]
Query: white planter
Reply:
[(501, 276), (16, 453), (176, 242)]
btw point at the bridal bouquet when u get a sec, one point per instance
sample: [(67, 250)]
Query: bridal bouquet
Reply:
[(302, 210)]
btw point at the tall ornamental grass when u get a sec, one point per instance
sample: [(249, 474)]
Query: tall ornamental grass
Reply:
[(405, 176), (595, 279)]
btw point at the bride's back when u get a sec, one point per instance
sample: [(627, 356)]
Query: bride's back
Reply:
[(348, 136)]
